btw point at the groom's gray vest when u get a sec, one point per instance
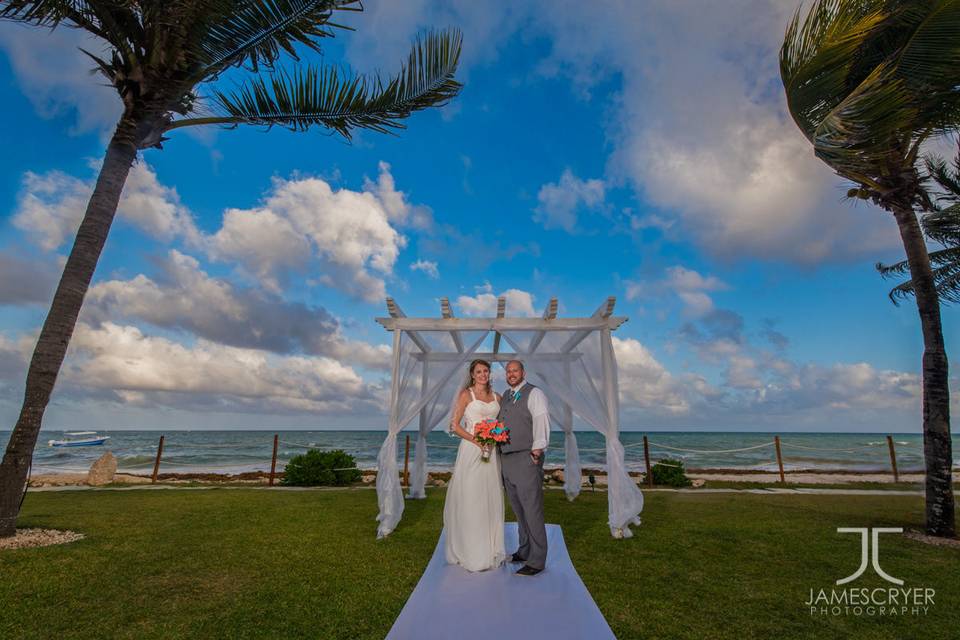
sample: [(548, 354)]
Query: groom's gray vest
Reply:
[(515, 415)]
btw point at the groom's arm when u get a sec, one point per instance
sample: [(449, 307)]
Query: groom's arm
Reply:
[(537, 403)]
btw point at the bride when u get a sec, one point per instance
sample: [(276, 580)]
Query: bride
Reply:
[(473, 512)]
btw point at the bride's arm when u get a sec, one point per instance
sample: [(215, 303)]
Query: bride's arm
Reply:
[(462, 402)]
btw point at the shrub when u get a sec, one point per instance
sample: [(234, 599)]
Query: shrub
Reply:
[(670, 472), (316, 468)]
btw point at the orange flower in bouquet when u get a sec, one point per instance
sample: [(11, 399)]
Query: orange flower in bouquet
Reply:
[(490, 433)]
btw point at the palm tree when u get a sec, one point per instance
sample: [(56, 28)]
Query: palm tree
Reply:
[(159, 53), (868, 82), (943, 227)]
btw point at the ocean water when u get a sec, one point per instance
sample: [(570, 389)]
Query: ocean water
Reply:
[(239, 451)]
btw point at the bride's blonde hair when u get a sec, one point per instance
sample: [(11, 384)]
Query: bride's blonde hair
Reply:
[(473, 365)]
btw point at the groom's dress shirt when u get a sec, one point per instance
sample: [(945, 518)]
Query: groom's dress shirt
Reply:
[(537, 403)]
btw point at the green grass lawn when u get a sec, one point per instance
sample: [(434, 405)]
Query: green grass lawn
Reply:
[(251, 563)]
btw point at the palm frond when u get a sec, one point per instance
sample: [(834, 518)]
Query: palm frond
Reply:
[(44, 13), (114, 21), (945, 265), (817, 55), (947, 178), (309, 96), (257, 32), (867, 81), (946, 276), (894, 270), (943, 226)]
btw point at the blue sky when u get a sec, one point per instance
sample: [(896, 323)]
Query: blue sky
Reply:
[(644, 154)]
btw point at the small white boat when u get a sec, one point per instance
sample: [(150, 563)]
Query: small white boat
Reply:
[(79, 439)]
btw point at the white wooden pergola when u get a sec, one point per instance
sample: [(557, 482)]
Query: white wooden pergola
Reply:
[(571, 359)]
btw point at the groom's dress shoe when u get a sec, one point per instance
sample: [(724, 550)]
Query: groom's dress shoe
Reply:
[(516, 558), (527, 570)]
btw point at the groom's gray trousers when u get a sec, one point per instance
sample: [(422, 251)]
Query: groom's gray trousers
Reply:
[(523, 481)]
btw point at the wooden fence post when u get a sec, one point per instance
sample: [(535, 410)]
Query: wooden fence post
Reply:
[(156, 464), (273, 461), (406, 463), (776, 441), (893, 459), (646, 459)]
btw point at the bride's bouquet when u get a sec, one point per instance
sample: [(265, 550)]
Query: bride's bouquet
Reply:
[(489, 433)]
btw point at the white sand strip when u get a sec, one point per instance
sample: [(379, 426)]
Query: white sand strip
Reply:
[(450, 602)]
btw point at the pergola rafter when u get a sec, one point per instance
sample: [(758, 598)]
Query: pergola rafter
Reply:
[(572, 359)]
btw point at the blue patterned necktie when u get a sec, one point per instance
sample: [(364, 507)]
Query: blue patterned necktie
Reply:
[(516, 395)]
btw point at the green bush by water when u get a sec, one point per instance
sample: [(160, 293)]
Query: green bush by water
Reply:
[(321, 468), (670, 472)]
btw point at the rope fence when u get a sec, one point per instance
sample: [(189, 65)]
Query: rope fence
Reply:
[(713, 451), (661, 451)]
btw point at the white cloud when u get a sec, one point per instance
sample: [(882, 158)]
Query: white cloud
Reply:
[(688, 285), (760, 385), (704, 132), (27, 280), (143, 369), (186, 298), (55, 75), (14, 357), (395, 203), (386, 29), (426, 266), (682, 279), (559, 202), (644, 382), (701, 132), (349, 232), (51, 206), (696, 303), (155, 208), (518, 302), (351, 238), (266, 243)]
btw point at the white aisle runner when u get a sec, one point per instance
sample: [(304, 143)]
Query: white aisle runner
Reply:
[(450, 602)]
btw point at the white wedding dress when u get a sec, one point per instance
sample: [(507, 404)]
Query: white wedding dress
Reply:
[(473, 512)]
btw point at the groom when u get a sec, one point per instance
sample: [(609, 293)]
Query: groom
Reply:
[(524, 412)]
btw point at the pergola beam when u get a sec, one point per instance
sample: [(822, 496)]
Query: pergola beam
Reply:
[(447, 312), (397, 313), (501, 310), (548, 314), (501, 324), (605, 310)]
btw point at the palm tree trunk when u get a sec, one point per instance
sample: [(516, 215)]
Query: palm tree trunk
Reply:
[(937, 446), (62, 318)]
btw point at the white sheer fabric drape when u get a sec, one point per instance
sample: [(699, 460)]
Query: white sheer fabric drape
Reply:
[(580, 367), (431, 415), (424, 363), (561, 414), (624, 498)]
